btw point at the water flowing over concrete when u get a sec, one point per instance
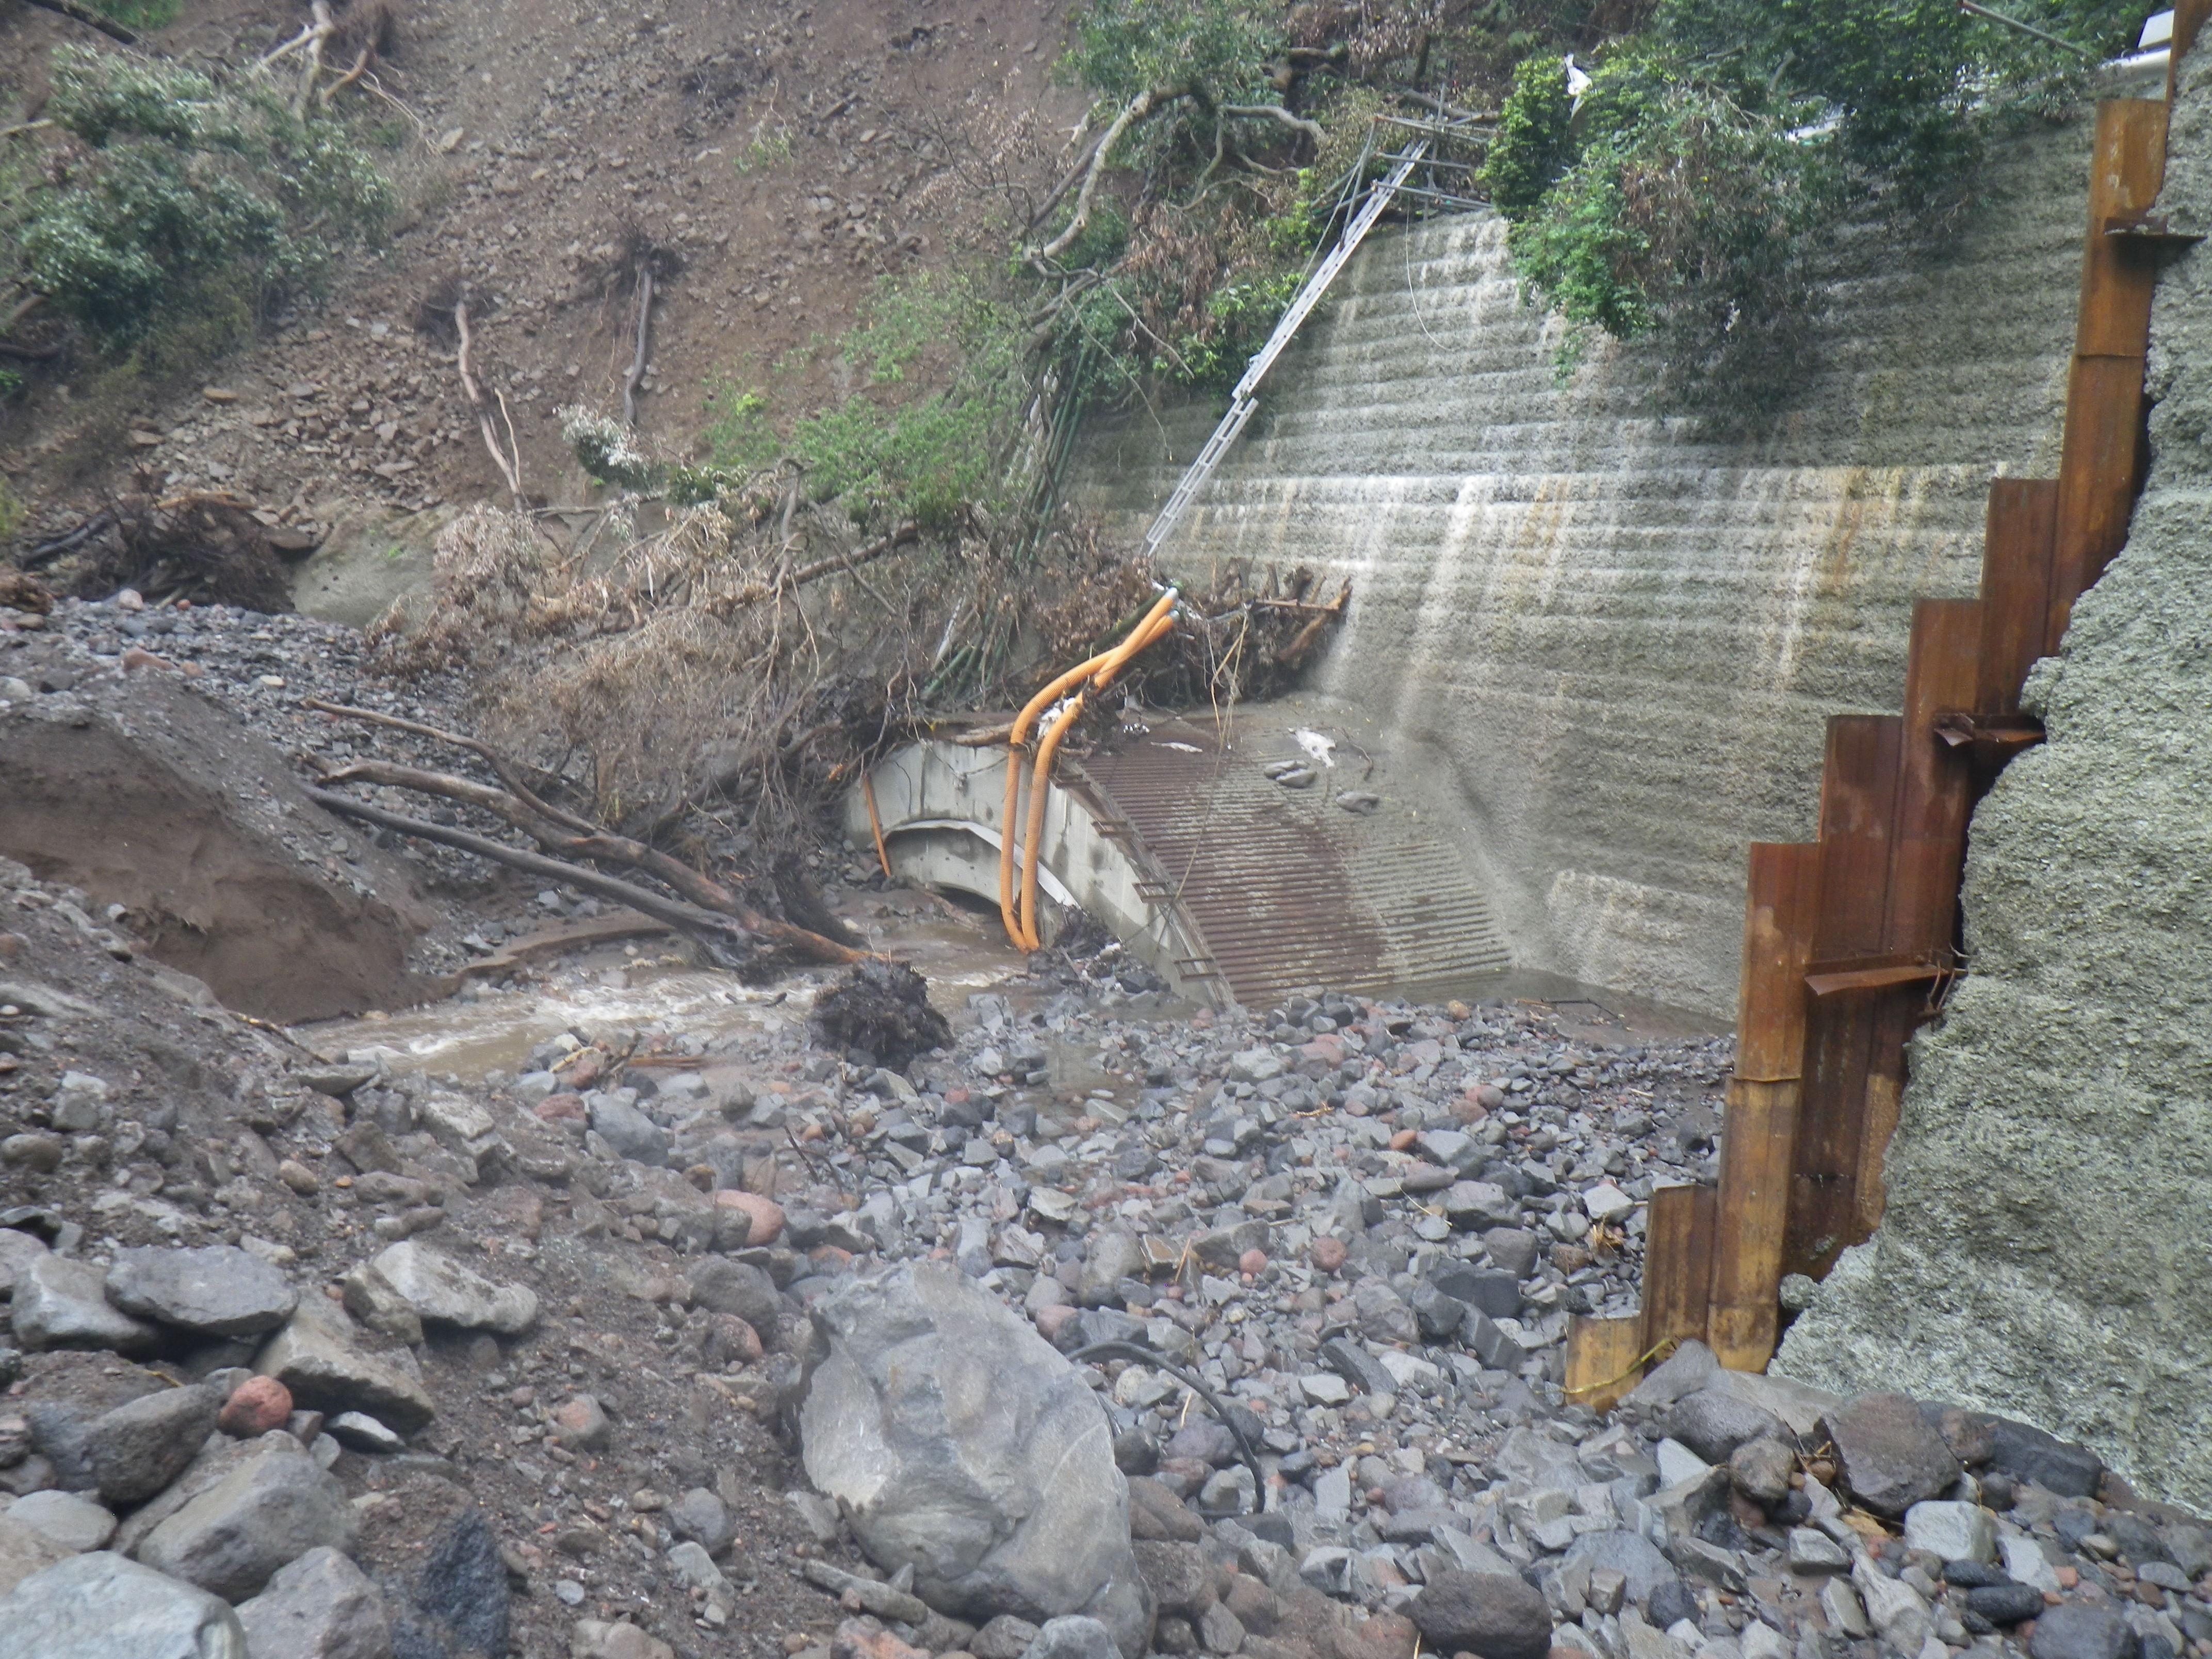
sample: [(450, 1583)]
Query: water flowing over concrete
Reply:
[(1609, 640), (2042, 1253)]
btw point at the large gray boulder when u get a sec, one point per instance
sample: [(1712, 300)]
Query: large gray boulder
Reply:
[(218, 1290), (1891, 1455), (442, 1292), (63, 1304), (1496, 1616), (102, 1607), (326, 1361), (321, 1607), (962, 1444), (134, 1450), (231, 1540)]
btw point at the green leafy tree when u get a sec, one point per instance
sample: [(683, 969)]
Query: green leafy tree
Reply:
[(1713, 156), (182, 194), (1535, 137)]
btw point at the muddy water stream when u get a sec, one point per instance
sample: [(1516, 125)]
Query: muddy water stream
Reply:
[(648, 983)]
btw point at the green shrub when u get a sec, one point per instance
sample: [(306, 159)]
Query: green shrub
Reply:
[(185, 192), (928, 456), (1713, 158), (1124, 47), (1534, 144)]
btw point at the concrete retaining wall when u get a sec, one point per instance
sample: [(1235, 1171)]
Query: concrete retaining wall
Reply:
[(1615, 641), (2044, 1254)]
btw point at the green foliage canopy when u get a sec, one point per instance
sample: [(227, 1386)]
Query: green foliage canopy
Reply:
[(184, 193), (1712, 156)]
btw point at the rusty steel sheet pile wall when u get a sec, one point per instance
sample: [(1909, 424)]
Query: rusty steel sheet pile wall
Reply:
[(1851, 941), (1614, 641), (2040, 1255)]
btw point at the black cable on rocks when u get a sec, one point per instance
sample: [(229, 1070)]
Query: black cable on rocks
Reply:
[(1159, 1362)]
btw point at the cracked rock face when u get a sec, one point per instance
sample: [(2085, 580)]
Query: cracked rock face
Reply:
[(964, 1446)]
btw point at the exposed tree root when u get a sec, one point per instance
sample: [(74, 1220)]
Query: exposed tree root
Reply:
[(508, 461), (572, 836)]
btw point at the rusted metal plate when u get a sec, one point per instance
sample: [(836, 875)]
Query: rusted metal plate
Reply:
[(1286, 889), (1756, 1156), (2100, 462), (1858, 812), (2016, 554), (1678, 1263), (1896, 1012), (1933, 782), (1825, 979), (1858, 821), (1760, 1135), (1601, 1356), (1784, 888)]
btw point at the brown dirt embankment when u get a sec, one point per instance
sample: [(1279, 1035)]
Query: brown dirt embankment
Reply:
[(149, 796)]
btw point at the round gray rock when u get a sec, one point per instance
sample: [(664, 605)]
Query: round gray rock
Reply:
[(76, 1523), (218, 1290), (232, 1539), (321, 1606), (2077, 1632), (102, 1607), (1714, 1424), (134, 1450), (1493, 1615), (703, 1518), (1891, 1456), (63, 1304)]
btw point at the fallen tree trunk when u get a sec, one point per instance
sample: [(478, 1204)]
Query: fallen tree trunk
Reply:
[(570, 836), (718, 933), (728, 940), (90, 19)]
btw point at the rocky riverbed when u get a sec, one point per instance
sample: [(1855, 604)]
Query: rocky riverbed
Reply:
[(1083, 1324)]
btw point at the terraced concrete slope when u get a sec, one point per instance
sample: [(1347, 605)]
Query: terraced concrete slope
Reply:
[(1610, 640), (2042, 1254)]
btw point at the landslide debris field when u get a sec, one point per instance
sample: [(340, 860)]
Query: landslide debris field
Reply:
[(418, 1248), (713, 1334)]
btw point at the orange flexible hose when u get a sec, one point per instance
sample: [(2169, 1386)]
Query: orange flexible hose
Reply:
[(1157, 622), (1033, 840), (1036, 706), (875, 823)]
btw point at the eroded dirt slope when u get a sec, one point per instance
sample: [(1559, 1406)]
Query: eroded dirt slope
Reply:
[(787, 156)]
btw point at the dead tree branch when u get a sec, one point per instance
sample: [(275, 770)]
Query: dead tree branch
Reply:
[(362, 59), (90, 19), (593, 842), (752, 594), (1067, 182), (637, 362), (509, 468), (723, 935), (501, 767), (1138, 109), (1273, 113)]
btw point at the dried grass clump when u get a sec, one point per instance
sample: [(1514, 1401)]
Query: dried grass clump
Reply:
[(687, 671)]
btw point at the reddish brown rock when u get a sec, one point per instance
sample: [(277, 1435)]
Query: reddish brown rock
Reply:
[(765, 1213), (259, 1404)]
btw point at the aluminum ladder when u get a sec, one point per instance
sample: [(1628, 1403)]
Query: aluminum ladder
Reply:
[(1243, 402)]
